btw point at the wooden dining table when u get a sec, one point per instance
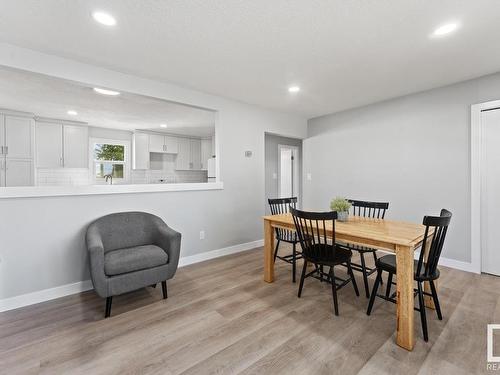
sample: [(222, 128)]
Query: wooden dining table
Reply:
[(401, 238)]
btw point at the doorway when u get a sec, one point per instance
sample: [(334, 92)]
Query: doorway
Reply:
[(283, 168)]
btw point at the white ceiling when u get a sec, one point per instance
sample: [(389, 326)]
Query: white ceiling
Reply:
[(52, 97), (342, 53)]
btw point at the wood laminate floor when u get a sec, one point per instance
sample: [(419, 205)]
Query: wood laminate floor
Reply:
[(221, 317)]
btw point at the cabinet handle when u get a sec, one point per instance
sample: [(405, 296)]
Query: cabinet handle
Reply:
[(6, 150)]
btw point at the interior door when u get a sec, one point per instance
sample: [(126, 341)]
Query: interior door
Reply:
[(490, 192), (18, 137), (288, 171)]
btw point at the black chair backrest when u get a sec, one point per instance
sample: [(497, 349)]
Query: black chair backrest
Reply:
[(440, 226), (369, 209), (281, 206), (311, 230)]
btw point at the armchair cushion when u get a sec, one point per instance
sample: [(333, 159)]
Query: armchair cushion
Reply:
[(132, 259)]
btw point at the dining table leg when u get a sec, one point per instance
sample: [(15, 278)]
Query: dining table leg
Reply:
[(404, 296), (268, 252), (428, 301)]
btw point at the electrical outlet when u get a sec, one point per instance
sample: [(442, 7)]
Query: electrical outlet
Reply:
[(202, 234)]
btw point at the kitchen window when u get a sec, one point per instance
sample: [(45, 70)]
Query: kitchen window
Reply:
[(110, 161)]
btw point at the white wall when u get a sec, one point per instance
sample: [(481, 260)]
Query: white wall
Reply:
[(42, 239), (412, 151)]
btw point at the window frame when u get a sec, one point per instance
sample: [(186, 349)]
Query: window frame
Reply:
[(126, 160)]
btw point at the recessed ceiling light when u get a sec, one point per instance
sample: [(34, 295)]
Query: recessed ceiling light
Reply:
[(163, 125), (445, 29), (72, 113), (104, 18), (106, 92), (294, 89)]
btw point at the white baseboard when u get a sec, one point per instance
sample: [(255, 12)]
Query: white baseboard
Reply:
[(82, 286), (457, 264), (44, 295)]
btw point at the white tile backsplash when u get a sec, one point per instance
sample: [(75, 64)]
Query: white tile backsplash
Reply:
[(62, 176)]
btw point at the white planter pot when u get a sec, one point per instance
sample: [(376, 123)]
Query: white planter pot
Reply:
[(343, 216)]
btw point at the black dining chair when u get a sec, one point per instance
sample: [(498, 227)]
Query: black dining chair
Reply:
[(282, 206), (317, 248), (424, 271), (366, 209)]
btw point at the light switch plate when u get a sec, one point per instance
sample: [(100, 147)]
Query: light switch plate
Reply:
[(275, 176), (309, 177)]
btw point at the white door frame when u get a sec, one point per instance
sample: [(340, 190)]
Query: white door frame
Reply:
[(475, 183), (296, 168)]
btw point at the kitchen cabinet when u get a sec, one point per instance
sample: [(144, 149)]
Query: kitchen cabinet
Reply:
[(49, 145), (206, 152), (183, 160), (140, 151), (163, 144), (18, 135), (195, 161), (189, 154), (60, 144), (18, 172), (16, 150), (75, 146)]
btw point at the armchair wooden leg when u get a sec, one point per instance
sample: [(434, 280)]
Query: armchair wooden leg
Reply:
[(164, 289), (109, 300)]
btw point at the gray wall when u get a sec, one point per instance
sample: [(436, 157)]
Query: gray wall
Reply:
[(412, 151), (42, 239), (272, 164)]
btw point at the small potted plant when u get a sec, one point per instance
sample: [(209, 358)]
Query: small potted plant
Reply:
[(342, 206)]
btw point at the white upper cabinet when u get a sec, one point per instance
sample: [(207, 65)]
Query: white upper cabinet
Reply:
[(75, 146), (140, 151), (163, 144), (2, 137), (61, 145), (49, 144), (206, 152), (156, 143), (18, 137), (184, 154), (171, 145), (195, 162)]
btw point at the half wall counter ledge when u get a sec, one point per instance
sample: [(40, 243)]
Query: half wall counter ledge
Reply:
[(59, 191)]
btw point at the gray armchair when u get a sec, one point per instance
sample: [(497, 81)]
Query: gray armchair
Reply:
[(129, 251)]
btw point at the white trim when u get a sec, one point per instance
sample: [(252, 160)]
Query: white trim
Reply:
[(127, 166), (191, 259), (82, 286), (58, 191), (457, 264), (44, 295), (475, 182)]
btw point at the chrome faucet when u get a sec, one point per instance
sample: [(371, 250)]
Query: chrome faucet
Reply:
[(109, 177)]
